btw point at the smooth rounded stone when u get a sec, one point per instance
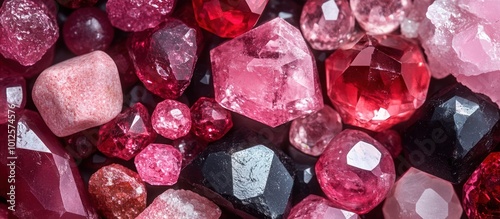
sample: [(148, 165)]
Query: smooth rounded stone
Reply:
[(380, 17), (391, 140), (12, 97), (28, 30), (327, 24), (171, 119), (355, 171), (316, 207), (181, 204), (76, 3), (311, 134), (138, 15), (87, 30), (413, 19), (243, 84), (159, 164), (79, 93), (82, 144), (210, 121), (117, 192), (190, 147), (419, 195)]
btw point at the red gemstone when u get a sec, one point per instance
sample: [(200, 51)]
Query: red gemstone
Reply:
[(12, 97), (9, 67), (190, 146), (138, 15), (171, 119), (159, 164), (82, 144), (210, 121), (119, 53), (77, 3)]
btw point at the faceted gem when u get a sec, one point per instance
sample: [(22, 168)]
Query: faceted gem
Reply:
[(127, 134), (171, 119), (4, 213), (452, 134), (228, 18), (391, 140), (28, 30), (327, 24), (181, 204), (380, 17), (418, 195), (481, 191), (87, 30), (190, 147), (164, 57), (355, 171), (273, 81), (117, 192), (46, 179), (79, 93), (316, 207), (246, 174), (138, 15), (159, 164), (377, 83), (210, 121), (12, 97), (82, 144), (77, 3)]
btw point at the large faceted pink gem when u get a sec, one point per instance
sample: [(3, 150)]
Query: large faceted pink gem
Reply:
[(159, 164), (316, 207), (355, 171), (273, 79), (380, 17), (377, 83), (138, 15)]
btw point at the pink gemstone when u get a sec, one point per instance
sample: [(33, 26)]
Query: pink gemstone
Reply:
[(77, 3), (274, 79), (391, 140), (415, 16), (171, 119), (377, 83), (87, 30), (181, 204), (28, 30), (82, 144), (327, 24), (316, 207), (355, 171), (380, 17), (79, 93), (138, 15), (12, 97), (419, 195), (190, 147), (311, 134), (127, 134), (9, 67), (159, 164), (210, 121), (171, 48)]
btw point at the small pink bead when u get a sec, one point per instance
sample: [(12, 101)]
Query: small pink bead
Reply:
[(159, 164), (171, 119)]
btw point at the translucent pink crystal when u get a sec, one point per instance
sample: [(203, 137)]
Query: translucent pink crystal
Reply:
[(412, 20), (159, 164), (138, 15), (380, 17), (12, 97), (171, 119), (316, 207)]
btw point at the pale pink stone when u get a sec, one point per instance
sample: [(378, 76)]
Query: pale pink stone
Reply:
[(316, 207), (181, 204), (171, 119), (79, 93), (159, 164), (487, 83), (380, 17), (411, 23)]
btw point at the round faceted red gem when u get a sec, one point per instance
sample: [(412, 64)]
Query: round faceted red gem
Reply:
[(210, 121), (171, 119), (377, 83)]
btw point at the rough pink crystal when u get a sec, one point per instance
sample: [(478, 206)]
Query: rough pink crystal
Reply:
[(138, 15), (28, 29), (391, 140), (312, 133), (380, 17), (316, 207), (12, 97), (171, 119), (210, 121), (327, 24), (355, 171), (159, 164), (181, 204), (190, 147), (9, 67), (274, 79), (412, 20)]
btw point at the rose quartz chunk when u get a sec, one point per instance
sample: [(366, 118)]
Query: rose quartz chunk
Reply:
[(138, 15), (159, 164), (380, 17), (171, 119), (181, 204), (79, 93), (316, 207)]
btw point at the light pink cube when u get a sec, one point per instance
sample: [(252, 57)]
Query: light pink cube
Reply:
[(80, 93)]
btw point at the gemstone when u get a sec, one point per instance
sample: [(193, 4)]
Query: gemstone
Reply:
[(327, 24), (228, 18), (311, 134), (245, 175), (380, 17), (413, 19), (72, 96), (190, 147), (127, 134), (46, 180), (164, 57), (377, 83), (159, 164), (181, 204), (355, 171), (9, 67), (286, 10), (316, 207), (119, 53), (138, 15), (481, 192), (87, 30), (419, 195), (391, 140), (171, 119), (28, 30), (452, 133), (12, 97), (210, 121), (82, 144), (278, 65), (76, 3), (117, 192)]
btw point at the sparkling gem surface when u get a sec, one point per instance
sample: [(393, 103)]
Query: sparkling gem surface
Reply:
[(12, 96), (380, 17), (76, 3), (159, 164), (411, 23), (171, 119), (190, 147), (9, 67), (316, 207), (210, 121), (138, 15)]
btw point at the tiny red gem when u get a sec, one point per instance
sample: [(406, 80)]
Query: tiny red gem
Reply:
[(210, 121)]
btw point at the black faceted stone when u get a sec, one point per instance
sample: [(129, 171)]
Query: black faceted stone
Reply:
[(452, 133), (245, 175)]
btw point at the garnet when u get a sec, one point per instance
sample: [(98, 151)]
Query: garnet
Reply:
[(159, 164), (210, 121), (138, 15), (171, 119), (316, 207), (9, 67), (12, 97), (380, 17)]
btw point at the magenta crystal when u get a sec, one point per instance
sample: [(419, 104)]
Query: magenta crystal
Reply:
[(210, 121), (380, 17), (159, 164), (12, 97), (171, 119), (138, 15), (9, 67), (316, 207)]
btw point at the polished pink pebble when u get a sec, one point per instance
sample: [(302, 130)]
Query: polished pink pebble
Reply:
[(12, 97), (171, 119), (159, 164), (316, 207), (79, 93), (210, 120), (138, 15)]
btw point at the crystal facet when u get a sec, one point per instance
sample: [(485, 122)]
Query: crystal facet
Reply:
[(159, 164), (138, 15), (12, 96), (316, 207), (210, 121), (380, 17), (171, 119)]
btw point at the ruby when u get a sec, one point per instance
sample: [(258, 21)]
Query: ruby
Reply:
[(138, 15), (159, 164), (377, 83), (316, 207), (380, 17), (77, 3), (210, 121), (190, 147), (391, 140), (12, 97), (171, 119)]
